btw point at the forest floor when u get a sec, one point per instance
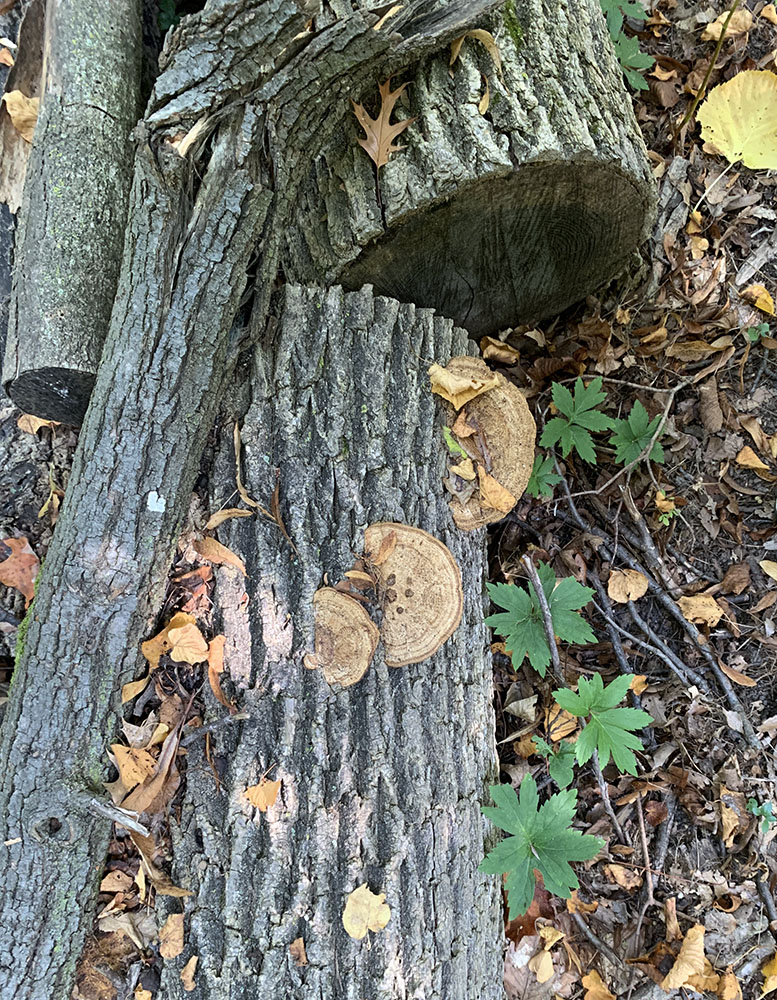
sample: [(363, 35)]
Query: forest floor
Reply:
[(691, 838)]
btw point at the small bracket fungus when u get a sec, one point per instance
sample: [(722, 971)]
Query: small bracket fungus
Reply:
[(345, 637), (419, 586), (497, 434)]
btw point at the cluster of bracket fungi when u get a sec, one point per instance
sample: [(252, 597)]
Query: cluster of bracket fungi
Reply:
[(413, 576)]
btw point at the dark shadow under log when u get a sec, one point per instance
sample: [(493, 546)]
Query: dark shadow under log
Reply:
[(381, 782)]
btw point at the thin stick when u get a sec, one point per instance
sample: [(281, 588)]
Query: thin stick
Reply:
[(605, 794), (654, 559), (605, 949), (547, 619), (645, 853), (686, 674)]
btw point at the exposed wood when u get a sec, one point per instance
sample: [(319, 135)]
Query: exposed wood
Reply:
[(491, 218), (74, 206), (382, 781)]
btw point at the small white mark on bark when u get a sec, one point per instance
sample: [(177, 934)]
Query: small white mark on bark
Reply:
[(156, 503)]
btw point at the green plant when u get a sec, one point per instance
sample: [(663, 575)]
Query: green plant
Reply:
[(764, 811), (452, 444), (607, 729), (168, 16), (542, 839), (561, 761), (632, 436), (627, 49), (542, 479), (522, 625), (754, 333), (666, 507), (578, 416)]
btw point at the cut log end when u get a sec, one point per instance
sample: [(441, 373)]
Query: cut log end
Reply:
[(511, 249), (53, 393)]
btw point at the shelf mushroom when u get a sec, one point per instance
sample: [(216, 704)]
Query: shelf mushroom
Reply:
[(345, 637)]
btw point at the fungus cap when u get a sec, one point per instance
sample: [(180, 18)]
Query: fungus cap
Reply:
[(419, 585), (508, 430), (345, 637)]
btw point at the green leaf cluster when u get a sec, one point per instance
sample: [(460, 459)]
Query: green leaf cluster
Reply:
[(754, 333), (632, 436), (561, 761), (627, 49), (521, 622), (542, 478), (609, 730), (542, 839), (578, 417), (764, 811)]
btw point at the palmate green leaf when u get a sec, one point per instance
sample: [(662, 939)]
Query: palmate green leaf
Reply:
[(609, 730), (542, 479), (616, 10), (632, 435), (579, 416), (632, 59), (542, 839), (522, 626), (561, 761)]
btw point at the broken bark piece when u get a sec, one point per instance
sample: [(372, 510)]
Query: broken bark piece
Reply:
[(74, 206), (419, 585), (506, 432), (346, 637)]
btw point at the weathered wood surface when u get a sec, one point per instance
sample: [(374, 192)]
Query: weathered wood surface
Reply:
[(194, 228), (71, 230), (491, 218), (382, 781)]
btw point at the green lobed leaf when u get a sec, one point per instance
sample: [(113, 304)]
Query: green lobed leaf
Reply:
[(542, 479), (561, 761), (578, 418), (632, 436)]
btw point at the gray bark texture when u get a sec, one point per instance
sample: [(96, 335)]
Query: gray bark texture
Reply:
[(194, 227), (71, 232), (491, 218), (382, 781)]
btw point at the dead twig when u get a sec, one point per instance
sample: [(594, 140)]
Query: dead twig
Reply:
[(653, 556), (605, 794), (686, 674), (547, 619), (605, 949)]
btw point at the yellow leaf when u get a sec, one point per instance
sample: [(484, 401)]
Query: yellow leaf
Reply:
[(263, 795), (770, 13), (595, 988), (488, 41), (740, 119), (493, 494), (133, 689), (706, 981), (134, 765), (769, 972), (141, 994), (741, 22), (32, 424), (769, 567), (187, 974), (6, 57), (23, 112), (690, 961), (465, 469), (758, 296), (626, 878), (699, 246), (550, 936), (365, 911), (171, 936), (748, 459), (459, 389), (224, 515), (638, 683), (626, 585), (380, 133), (541, 965), (188, 644), (154, 648), (217, 553), (559, 724), (728, 987), (701, 608)]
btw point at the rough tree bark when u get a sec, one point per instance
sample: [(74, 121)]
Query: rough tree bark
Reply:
[(71, 231), (381, 782), (194, 228)]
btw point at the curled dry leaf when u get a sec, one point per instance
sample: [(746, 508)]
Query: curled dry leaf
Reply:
[(31, 424), (216, 669), (741, 21), (365, 911), (690, 961), (263, 795), (769, 566), (345, 637), (297, 951), (419, 586), (748, 459), (462, 379), (19, 569), (219, 554), (701, 609), (626, 585), (760, 297), (225, 515), (171, 936), (188, 972), (493, 496), (595, 988), (23, 112)]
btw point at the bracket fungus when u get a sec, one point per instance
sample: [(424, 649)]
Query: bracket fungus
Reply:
[(345, 637), (419, 585), (496, 430)]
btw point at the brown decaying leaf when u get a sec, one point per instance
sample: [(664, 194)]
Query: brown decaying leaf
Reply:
[(709, 405), (297, 951), (188, 972), (116, 881), (154, 794), (263, 795), (225, 515), (760, 297), (216, 668), (134, 765), (701, 608), (459, 389), (495, 350), (31, 424), (740, 22), (380, 133), (365, 911), (748, 459), (6, 57), (171, 936), (20, 568), (217, 553), (492, 494), (626, 585), (23, 112), (594, 988), (487, 40)]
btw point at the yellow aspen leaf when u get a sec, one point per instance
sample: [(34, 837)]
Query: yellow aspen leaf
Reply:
[(760, 297), (769, 972), (188, 644), (365, 911), (171, 936), (187, 974), (263, 795), (133, 689), (748, 459), (23, 112), (626, 585), (595, 988), (459, 389), (134, 765), (739, 118), (379, 132), (690, 961), (493, 494), (702, 609), (741, 21), (219, 554)]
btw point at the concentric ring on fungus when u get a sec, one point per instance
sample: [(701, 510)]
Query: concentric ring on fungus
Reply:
[(345, 637), (419, 585)]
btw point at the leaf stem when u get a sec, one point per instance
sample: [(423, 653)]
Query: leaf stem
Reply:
[(547, 618)]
